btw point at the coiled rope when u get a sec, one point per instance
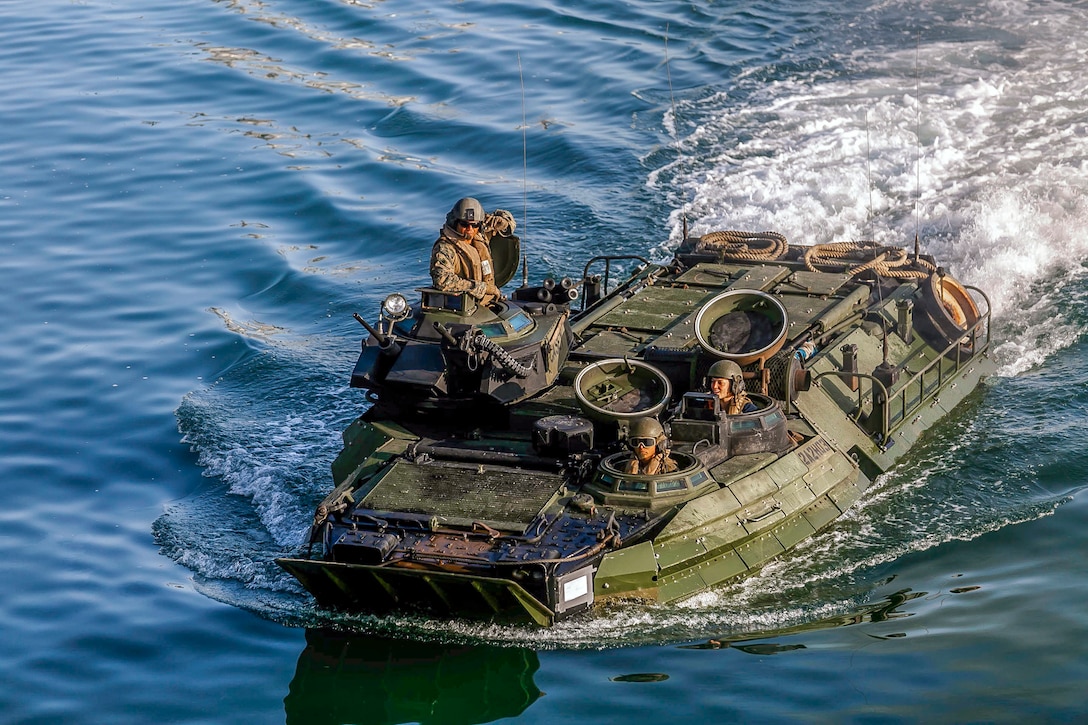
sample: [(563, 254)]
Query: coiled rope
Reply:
[(747, 246), (853, 258)]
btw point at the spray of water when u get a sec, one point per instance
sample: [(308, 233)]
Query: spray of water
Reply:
[(990, 146)]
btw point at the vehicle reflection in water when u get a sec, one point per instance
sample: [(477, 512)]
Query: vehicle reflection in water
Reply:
[(882, 611), (343, 677)]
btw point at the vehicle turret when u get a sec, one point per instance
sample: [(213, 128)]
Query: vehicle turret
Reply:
[(450, 353)]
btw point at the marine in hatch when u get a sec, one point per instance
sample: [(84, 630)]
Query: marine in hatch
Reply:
[(726, 381), (461, 257), (649, 449)]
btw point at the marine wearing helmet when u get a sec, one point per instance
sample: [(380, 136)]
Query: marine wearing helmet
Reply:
[(649, 449), (461, 256), (726, 380)]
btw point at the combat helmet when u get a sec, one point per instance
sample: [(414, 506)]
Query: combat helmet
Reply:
[(468, 210), (730, 371), (647, 428)]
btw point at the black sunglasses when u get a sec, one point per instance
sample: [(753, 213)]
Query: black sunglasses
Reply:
[(468, 225)]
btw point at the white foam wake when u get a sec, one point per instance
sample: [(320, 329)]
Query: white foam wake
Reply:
[(981, 148)]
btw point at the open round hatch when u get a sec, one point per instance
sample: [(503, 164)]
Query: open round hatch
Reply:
[(742, 325), (619, 389)]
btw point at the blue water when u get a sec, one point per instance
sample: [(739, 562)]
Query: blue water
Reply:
[(196, 195)]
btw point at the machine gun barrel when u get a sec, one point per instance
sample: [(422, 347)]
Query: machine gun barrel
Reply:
[(382, 339), (385, 342), (445, 333)]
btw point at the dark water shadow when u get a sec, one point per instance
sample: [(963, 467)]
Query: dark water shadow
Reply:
[(343, 677)]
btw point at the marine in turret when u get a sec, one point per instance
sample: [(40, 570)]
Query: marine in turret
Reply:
[(461, 257)]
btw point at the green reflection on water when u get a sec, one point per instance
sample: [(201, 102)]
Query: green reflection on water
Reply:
[(342, 678)]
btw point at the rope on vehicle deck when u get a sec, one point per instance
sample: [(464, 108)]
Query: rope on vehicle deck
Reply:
[(853, 258), (734, 245)]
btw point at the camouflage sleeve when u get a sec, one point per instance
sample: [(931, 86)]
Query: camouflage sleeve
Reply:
[(444, 273)]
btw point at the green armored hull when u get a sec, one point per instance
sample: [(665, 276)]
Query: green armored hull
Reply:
[(491, 476)]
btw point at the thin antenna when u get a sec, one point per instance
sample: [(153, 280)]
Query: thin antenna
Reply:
[(918, 139), (676, 136), (869, 167), (524, 157)]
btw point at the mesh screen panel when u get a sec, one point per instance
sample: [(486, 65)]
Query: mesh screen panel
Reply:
[(452, 491)]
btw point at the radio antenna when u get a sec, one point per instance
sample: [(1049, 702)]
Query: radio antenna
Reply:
[(676, 135), (918, 147), (869, 168), (524, 156)]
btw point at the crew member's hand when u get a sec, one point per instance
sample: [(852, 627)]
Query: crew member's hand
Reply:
[(492, 293), (500, 222)]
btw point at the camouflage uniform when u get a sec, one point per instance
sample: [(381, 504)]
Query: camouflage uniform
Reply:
[(460, 265)]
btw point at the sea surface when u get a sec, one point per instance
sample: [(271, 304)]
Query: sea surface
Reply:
[(196, 195)]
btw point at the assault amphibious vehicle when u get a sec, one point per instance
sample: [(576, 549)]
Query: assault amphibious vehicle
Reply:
[(488, 476)]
